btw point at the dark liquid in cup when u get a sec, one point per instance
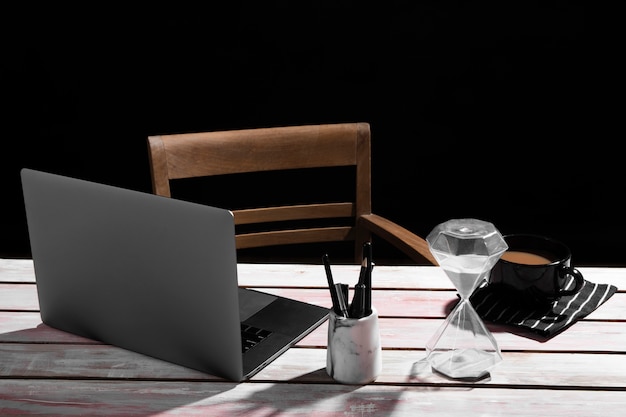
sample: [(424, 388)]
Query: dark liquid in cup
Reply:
[(526, 258)]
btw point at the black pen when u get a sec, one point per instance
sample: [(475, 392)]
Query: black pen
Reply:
[(357, 308), (342, 295), (363, 270), (345, 289), (331, 286), (358, 299), (368, 280)]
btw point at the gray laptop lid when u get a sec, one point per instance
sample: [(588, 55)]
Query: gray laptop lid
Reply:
[(150, 274)]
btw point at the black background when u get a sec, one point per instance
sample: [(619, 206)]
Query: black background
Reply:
[(509, 112)]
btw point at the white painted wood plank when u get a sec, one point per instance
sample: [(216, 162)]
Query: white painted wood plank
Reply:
[(534, 369), (395, 333), (391, 303), (96, 398)]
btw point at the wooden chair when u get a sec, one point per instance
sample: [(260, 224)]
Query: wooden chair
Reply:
[(287, 149)]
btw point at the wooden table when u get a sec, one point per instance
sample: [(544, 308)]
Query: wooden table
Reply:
[(579, 372)]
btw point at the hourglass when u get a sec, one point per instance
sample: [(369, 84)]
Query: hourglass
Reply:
[(466, 249)]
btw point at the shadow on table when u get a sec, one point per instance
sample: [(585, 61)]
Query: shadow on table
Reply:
[(71, 375), (323, 396), (46, 371)]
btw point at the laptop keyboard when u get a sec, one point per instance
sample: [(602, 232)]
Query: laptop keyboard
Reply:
[(251, 336)]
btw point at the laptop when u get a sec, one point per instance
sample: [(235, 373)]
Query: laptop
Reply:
[(153, 275)]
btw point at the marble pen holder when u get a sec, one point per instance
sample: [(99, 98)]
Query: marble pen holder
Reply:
[(354, 353)]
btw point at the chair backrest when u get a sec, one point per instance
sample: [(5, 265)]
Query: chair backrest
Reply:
[(189, 155)]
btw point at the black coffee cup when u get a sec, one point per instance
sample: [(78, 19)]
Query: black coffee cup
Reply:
[(536, 269)]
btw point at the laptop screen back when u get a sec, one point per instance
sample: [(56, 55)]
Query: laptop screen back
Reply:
[(147, 273)]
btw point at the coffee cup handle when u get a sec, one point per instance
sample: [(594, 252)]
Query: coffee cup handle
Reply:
[(578, 279)]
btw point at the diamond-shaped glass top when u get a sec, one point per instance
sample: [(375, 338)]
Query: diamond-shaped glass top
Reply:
[(466, 250), (466, 237)]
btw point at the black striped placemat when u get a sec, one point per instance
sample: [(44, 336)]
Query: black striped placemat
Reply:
[(494, 304)]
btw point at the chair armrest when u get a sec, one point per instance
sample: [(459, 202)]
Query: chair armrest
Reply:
[(408, 242)]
